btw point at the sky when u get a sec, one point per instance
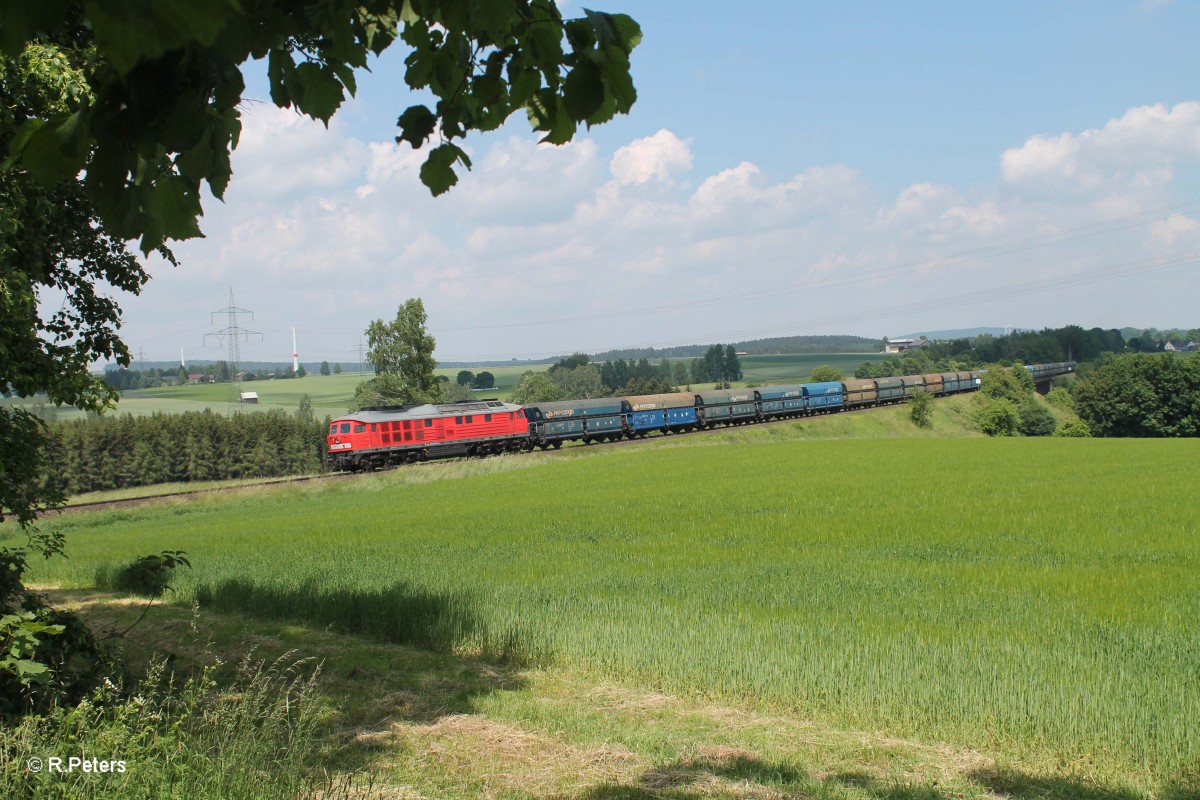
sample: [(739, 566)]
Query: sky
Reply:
[(790, 168)]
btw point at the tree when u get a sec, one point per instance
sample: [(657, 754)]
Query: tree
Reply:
[(1036, 419), (824, 373), (164, 87), (305, 412), (465, 377), (535, 387), (458, 393), (485, 380), (1141, 395), (920, 408), (401, 353), (573, 361), (998, 417), (51, 241), (337, 369), (1014, 385), (301, 371), (324, 367), (732, 365), (581, 383)]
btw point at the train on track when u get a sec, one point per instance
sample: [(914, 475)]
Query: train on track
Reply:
[(376, 438)]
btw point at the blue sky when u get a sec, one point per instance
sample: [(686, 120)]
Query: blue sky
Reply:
[(798, 168)]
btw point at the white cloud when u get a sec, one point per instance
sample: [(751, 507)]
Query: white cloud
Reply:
[(330, 231), (1137, 149), (654, 157), (1176, 226)]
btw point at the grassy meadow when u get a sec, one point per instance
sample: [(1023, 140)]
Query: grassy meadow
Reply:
[(1031, 599)]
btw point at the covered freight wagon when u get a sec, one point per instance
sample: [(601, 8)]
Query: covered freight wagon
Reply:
[(780, 401), (662, 412), (824, 396), (551, 424), (889, 390), (859, 392), (726, 407)]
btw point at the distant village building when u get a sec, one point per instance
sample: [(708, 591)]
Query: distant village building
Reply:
[(900, 345), (197, 377), (250, 397)]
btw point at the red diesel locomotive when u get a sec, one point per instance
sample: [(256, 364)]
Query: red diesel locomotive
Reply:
[(375, 438)]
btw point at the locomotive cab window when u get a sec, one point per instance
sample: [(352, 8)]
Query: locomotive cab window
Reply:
[(333, 429), (428, 423), (458, 420), (345, 427), (470, 419), (359, 428), (487, 417)]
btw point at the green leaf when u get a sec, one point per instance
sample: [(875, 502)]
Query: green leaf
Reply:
[(29, 669), (280, 68), (583, 91), (629, 33), (438, 170), (617, 80), (178, 206), (320, 92), (56, 150), (548, 113), (132, 31), (416, 124), (24, 19)]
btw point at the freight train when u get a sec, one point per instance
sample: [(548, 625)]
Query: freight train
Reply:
[(375, 438)]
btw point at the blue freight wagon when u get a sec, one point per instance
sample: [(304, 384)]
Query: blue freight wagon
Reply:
[(825, 396), (662, 412)]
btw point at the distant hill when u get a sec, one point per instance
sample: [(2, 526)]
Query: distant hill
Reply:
[(790, 345)]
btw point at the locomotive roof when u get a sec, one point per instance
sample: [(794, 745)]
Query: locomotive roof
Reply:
[(428, 410)]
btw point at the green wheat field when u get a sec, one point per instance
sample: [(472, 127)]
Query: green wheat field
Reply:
[(1038, 598)]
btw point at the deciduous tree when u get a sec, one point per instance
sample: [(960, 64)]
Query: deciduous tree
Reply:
[(824, 372), (401, 353), (535, 387)]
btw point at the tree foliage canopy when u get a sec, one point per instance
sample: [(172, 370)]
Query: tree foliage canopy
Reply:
[(1141, 395), (159, 113), (401, 352)]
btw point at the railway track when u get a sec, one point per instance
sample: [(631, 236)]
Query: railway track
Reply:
[(133, 502)]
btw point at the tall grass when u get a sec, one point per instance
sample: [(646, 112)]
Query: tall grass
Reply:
[(1037, 597), (182, 740)]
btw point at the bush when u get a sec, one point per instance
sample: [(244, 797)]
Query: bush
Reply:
[(149, 576), (1036, 419), (920, 409), (47, 657), (998, 417), (1059, 397), (1075, 428), (1010, 384), (824, 373)]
